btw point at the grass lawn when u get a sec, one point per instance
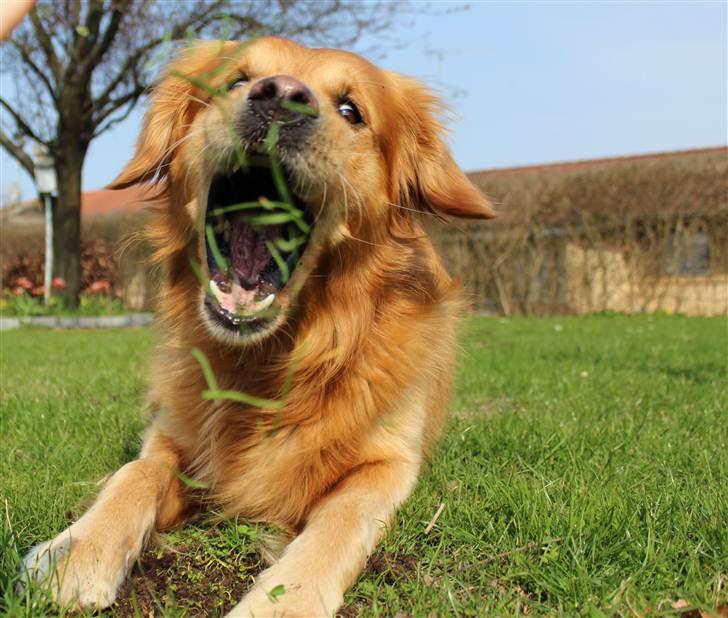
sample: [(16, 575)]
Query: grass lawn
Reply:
[(584, 471)]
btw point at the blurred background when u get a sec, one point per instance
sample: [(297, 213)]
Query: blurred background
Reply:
[(598, 129)]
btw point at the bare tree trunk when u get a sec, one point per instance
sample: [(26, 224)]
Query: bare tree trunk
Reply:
[(67, 219)]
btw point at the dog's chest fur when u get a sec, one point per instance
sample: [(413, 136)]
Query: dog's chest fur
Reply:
[(273, 465)]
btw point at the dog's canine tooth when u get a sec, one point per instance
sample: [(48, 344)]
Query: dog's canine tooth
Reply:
[(265, 303), (217, 292)]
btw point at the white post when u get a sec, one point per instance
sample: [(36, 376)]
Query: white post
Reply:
[(48, 275), (47, 185)]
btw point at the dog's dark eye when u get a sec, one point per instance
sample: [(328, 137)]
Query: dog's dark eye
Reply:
[(349, 111), (239, 81)]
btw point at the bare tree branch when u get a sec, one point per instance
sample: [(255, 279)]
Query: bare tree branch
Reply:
[(46, 44), (117, 103), (175, 32), (22, 157), (104, 42), (42, 75), (116, 120), (21, 122)]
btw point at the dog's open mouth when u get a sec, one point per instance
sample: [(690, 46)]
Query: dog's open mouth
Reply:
[(256, 231)]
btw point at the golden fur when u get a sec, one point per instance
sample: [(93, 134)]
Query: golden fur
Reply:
[(362, 350)]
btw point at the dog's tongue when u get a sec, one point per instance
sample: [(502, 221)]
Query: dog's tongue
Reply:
[(248, 254)]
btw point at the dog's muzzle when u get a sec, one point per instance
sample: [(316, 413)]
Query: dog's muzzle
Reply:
[(281, 99)]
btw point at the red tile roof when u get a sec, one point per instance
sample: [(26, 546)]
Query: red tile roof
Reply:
[(104, 201), (585, 163)]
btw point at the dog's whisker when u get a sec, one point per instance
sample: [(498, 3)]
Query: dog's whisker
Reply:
[(192, 97), (169, 149), (415, 210), (196, 157)]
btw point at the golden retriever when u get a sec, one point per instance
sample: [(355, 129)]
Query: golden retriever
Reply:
[(325, 317)]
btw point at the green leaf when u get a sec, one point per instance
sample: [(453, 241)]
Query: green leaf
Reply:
[(276, 592), (82, 31)]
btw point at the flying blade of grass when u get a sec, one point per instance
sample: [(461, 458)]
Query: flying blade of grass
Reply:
[(216, 255), (199, 83), (197, 269), (296, 359), (214, 391), (270, 142), (189, 481), (206, 368), (271, 146), (264, 203), (295, 212), (271, 219), (280, 262), (241, 397), (301, 108), (231, 58), (235, 208), (289, 245)]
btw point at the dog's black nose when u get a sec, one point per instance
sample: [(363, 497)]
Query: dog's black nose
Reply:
[(282, 97)]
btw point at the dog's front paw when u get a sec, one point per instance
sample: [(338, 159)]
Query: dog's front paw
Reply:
[(76, 571)]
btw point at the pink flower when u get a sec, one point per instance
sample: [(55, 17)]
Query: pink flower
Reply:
[(24, 283), (39, 291), (19, 291), (58, 283), (99, 286)]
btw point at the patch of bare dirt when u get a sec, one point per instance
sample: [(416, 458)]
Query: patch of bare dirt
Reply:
[(194, 579), (394, 567)]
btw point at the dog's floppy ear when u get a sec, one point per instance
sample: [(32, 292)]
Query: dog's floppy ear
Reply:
[(174, 101), (425, 173)]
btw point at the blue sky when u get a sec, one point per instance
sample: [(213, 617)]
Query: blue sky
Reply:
[(538, 82)]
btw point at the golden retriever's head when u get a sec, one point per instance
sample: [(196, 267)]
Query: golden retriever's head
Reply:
[(273, 154)]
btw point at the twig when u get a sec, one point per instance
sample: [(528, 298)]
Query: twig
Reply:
[(435, 517), (505, 554)]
